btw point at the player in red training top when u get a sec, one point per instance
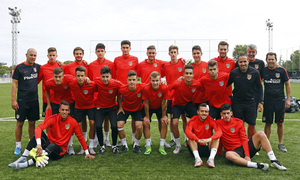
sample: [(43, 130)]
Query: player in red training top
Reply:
[(214, 85), (201, 140), (83, 94), (123, 64), (154, 96), (238, 148), (225, 64), (200, 69), (26, 104), (172, 71), (145, 68), (182, 100), (107, 107), (94, 72), (78, 53), (46, 72), (130, 103), (61, 127)]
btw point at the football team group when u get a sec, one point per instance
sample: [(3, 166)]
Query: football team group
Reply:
[(109, 92)]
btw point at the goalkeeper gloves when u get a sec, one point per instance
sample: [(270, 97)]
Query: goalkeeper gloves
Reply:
[(40, 161)]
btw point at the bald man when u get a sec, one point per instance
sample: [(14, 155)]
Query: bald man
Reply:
[(26, 105)]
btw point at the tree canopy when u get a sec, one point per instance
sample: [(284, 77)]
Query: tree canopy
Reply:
[(239, 49)]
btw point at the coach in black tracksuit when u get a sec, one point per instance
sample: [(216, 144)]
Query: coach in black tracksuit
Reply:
[(247, 86)]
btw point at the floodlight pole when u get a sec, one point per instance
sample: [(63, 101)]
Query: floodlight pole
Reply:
[(270, 29), (15, 13)]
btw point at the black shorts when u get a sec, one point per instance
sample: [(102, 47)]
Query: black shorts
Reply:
[(240, 150), (189, 108), (271, 107), (158, 113), (80, 114), (136, 115), (169, 106), (215, 112), (203, 150), (246, 111), (111, 113), (28, 110), (55, 108)]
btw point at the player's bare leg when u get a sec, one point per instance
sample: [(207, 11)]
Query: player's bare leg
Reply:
[(18, 135), (251, 130), (163, 135), (194, 148), (268, 130), (213, 146), (133, 128), (176, 136), (91, 137), (172, 142), (280, 137), (146, 128), (122, 136), (31, 127), (106, 132), (138, 135), (184, 123)]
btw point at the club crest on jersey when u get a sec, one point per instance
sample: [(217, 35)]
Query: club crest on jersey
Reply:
[(159, 94), (179, 69), (206, 126), (249, 76), (155, 64), (85, 91), (67, 126), (221, 83), (18, 116), (130, 63), (139, 95), (110, 91), (232, 130), (256, 66), (204, 70), (228, 65), (66, 87), (34, 69), (193, 90), (277, 75)]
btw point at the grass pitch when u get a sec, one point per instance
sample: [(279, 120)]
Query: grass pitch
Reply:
[(153, 166)]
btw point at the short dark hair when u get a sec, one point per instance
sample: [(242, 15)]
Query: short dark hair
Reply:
[(151, 47), (105, 69), (271, 54), (64, 102), (188, 66), (154, 74), (223, 43), (131, 73), (243, 54), (202, 105), (77, 49), (52, 49), (100, 46), (125, 42), (58, 70), (196, 47), (173, 47), (226, 106), (80, 68), (212, 63)]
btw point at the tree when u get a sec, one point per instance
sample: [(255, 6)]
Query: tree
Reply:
[(68, 62), (239, 49), (294, 63)]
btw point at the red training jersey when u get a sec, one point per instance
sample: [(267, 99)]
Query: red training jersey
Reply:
[(83, 95), (144, 69), (200, 70), (70, 68), (61, 92), (155, 97), (123, 64), (95, 68), (215, 89), (107, 93), (60, 131), (172, 72), (234, 135), (184, 93), (196, 129), (132, 100), (46, 73)]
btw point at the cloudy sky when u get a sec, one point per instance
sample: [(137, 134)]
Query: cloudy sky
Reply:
[(67, 24)]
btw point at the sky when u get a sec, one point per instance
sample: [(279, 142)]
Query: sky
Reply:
[(68, 24)]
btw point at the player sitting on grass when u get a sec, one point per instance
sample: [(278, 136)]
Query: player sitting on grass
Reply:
[(61, 127), (201, 140), (238, 148)]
